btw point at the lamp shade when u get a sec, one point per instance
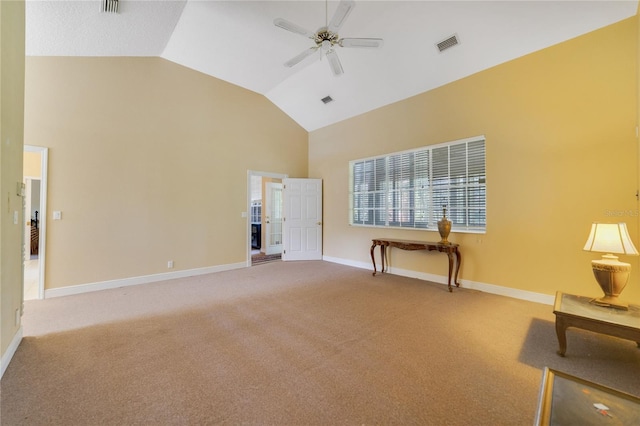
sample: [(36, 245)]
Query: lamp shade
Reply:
[(610, 238)]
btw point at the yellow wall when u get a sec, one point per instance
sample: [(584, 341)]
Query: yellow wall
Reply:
[(561, 153), (11, 143), (148, 163)]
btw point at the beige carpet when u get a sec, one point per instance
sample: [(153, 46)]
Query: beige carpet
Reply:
[(295, 343)]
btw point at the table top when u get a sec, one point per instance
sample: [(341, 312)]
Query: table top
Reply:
[(415, 242), (580, 306), (569, 400)]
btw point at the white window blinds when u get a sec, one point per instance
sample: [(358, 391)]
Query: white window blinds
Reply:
[(409, 189)]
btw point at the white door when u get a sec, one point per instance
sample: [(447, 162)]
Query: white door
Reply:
[(273, 218), (302, 226)]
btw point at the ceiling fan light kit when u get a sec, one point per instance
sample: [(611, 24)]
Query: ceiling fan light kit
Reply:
[(326, 38)]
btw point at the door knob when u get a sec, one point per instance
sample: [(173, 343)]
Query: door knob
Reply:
[(319, 223)]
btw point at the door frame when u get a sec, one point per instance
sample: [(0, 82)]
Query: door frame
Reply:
[(44, 167), (246, 214)]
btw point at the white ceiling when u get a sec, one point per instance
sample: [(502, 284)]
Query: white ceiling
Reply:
[(236, 41)]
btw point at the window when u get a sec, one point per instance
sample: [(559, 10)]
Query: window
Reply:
[(256, 211), (409, 189)]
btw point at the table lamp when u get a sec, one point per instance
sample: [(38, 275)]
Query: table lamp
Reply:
[(611, 274)]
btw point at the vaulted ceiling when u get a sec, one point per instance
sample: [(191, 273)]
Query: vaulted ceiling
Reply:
[(237, 41)]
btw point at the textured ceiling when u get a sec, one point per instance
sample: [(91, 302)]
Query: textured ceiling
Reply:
[(236, 41)]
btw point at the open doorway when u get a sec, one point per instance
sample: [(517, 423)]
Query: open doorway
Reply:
[(31, 236), (34, 203), (265, 217)]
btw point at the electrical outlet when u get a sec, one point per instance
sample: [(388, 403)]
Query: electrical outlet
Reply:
[(17, 317), (170, 264)]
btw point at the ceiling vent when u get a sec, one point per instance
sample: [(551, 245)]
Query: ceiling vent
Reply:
[(109, 6), (447, 43), (327, 99)]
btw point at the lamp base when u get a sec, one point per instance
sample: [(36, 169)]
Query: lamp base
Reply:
[(612, 276), (611, 302)]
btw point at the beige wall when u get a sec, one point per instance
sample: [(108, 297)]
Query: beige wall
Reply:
[(11, 145), (148, 163), (561, 153), (32, 164)]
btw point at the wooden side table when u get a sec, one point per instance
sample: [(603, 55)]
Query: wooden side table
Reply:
[(570, 400), (578, 311)]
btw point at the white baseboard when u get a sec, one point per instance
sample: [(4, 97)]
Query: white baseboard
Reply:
[(440, 279), (146, 279), (11, 350)]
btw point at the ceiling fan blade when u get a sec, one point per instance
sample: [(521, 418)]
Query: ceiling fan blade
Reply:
[(290, 26), (366, 43), (334, 62), (344, 9), (297, 59)]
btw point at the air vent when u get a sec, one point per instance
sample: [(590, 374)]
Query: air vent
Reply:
[(447, 43), (327, 99), (109, 6)]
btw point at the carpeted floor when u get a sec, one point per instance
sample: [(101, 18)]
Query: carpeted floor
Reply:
[(295, 343)]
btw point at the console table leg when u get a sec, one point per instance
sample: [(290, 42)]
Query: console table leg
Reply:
[(383, 256), (561, 332), (373, 259), (450, 256), (457, 269)]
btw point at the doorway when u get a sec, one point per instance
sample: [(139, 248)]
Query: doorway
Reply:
[(264, 191), (35, 206), (31, 250)]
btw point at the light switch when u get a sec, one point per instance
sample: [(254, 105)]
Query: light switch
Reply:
[(57, 215), (15, 217)]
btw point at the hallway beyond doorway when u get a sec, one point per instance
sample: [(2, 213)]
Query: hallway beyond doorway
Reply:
[(257, 257), (31, 277)]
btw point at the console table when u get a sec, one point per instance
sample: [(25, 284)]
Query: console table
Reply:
[(578, 311), (450, 249)]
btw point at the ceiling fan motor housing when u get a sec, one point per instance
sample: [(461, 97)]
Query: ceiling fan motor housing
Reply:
[(324, 34)]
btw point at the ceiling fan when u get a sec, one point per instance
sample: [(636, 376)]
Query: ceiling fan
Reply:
[(326, 38)]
